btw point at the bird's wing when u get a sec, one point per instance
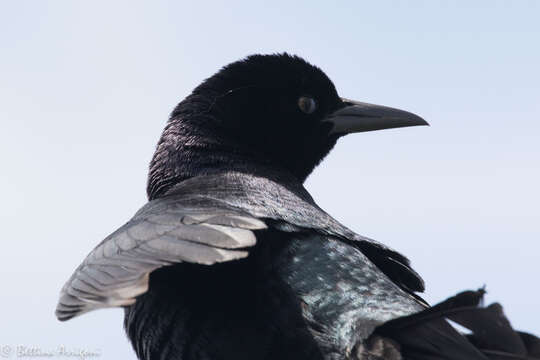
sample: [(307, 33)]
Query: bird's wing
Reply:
[(344, 296), (163, 232)]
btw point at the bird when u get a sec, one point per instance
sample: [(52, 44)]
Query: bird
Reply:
[(232, 258)]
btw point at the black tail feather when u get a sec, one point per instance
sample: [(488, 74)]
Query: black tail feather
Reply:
[(532, 343), (428, 336)]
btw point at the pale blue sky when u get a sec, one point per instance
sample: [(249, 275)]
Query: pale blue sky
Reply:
[(86, 88)]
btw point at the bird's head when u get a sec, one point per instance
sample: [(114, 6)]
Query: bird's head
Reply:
[(274, 110)]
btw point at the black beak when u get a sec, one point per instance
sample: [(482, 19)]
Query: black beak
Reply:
[(358, 117)]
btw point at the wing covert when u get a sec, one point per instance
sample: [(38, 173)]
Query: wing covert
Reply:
[(163, 232)]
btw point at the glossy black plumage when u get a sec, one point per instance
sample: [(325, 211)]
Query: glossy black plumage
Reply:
[(428, 335), (232, 258)]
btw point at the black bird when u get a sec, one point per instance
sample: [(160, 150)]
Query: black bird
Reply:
[(232, 259)]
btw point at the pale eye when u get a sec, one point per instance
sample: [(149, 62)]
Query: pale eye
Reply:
[(307, 104)]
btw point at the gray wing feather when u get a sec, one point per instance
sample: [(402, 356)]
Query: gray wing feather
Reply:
[(162, 233)]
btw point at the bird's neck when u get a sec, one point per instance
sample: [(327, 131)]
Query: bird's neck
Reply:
[(186, 151)]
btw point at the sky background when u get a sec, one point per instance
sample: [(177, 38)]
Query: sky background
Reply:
[(86, 88)]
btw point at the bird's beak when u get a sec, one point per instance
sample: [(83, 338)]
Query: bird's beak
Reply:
[(357, 116)]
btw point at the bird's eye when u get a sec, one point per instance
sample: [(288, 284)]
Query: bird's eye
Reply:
[(307, 104)]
